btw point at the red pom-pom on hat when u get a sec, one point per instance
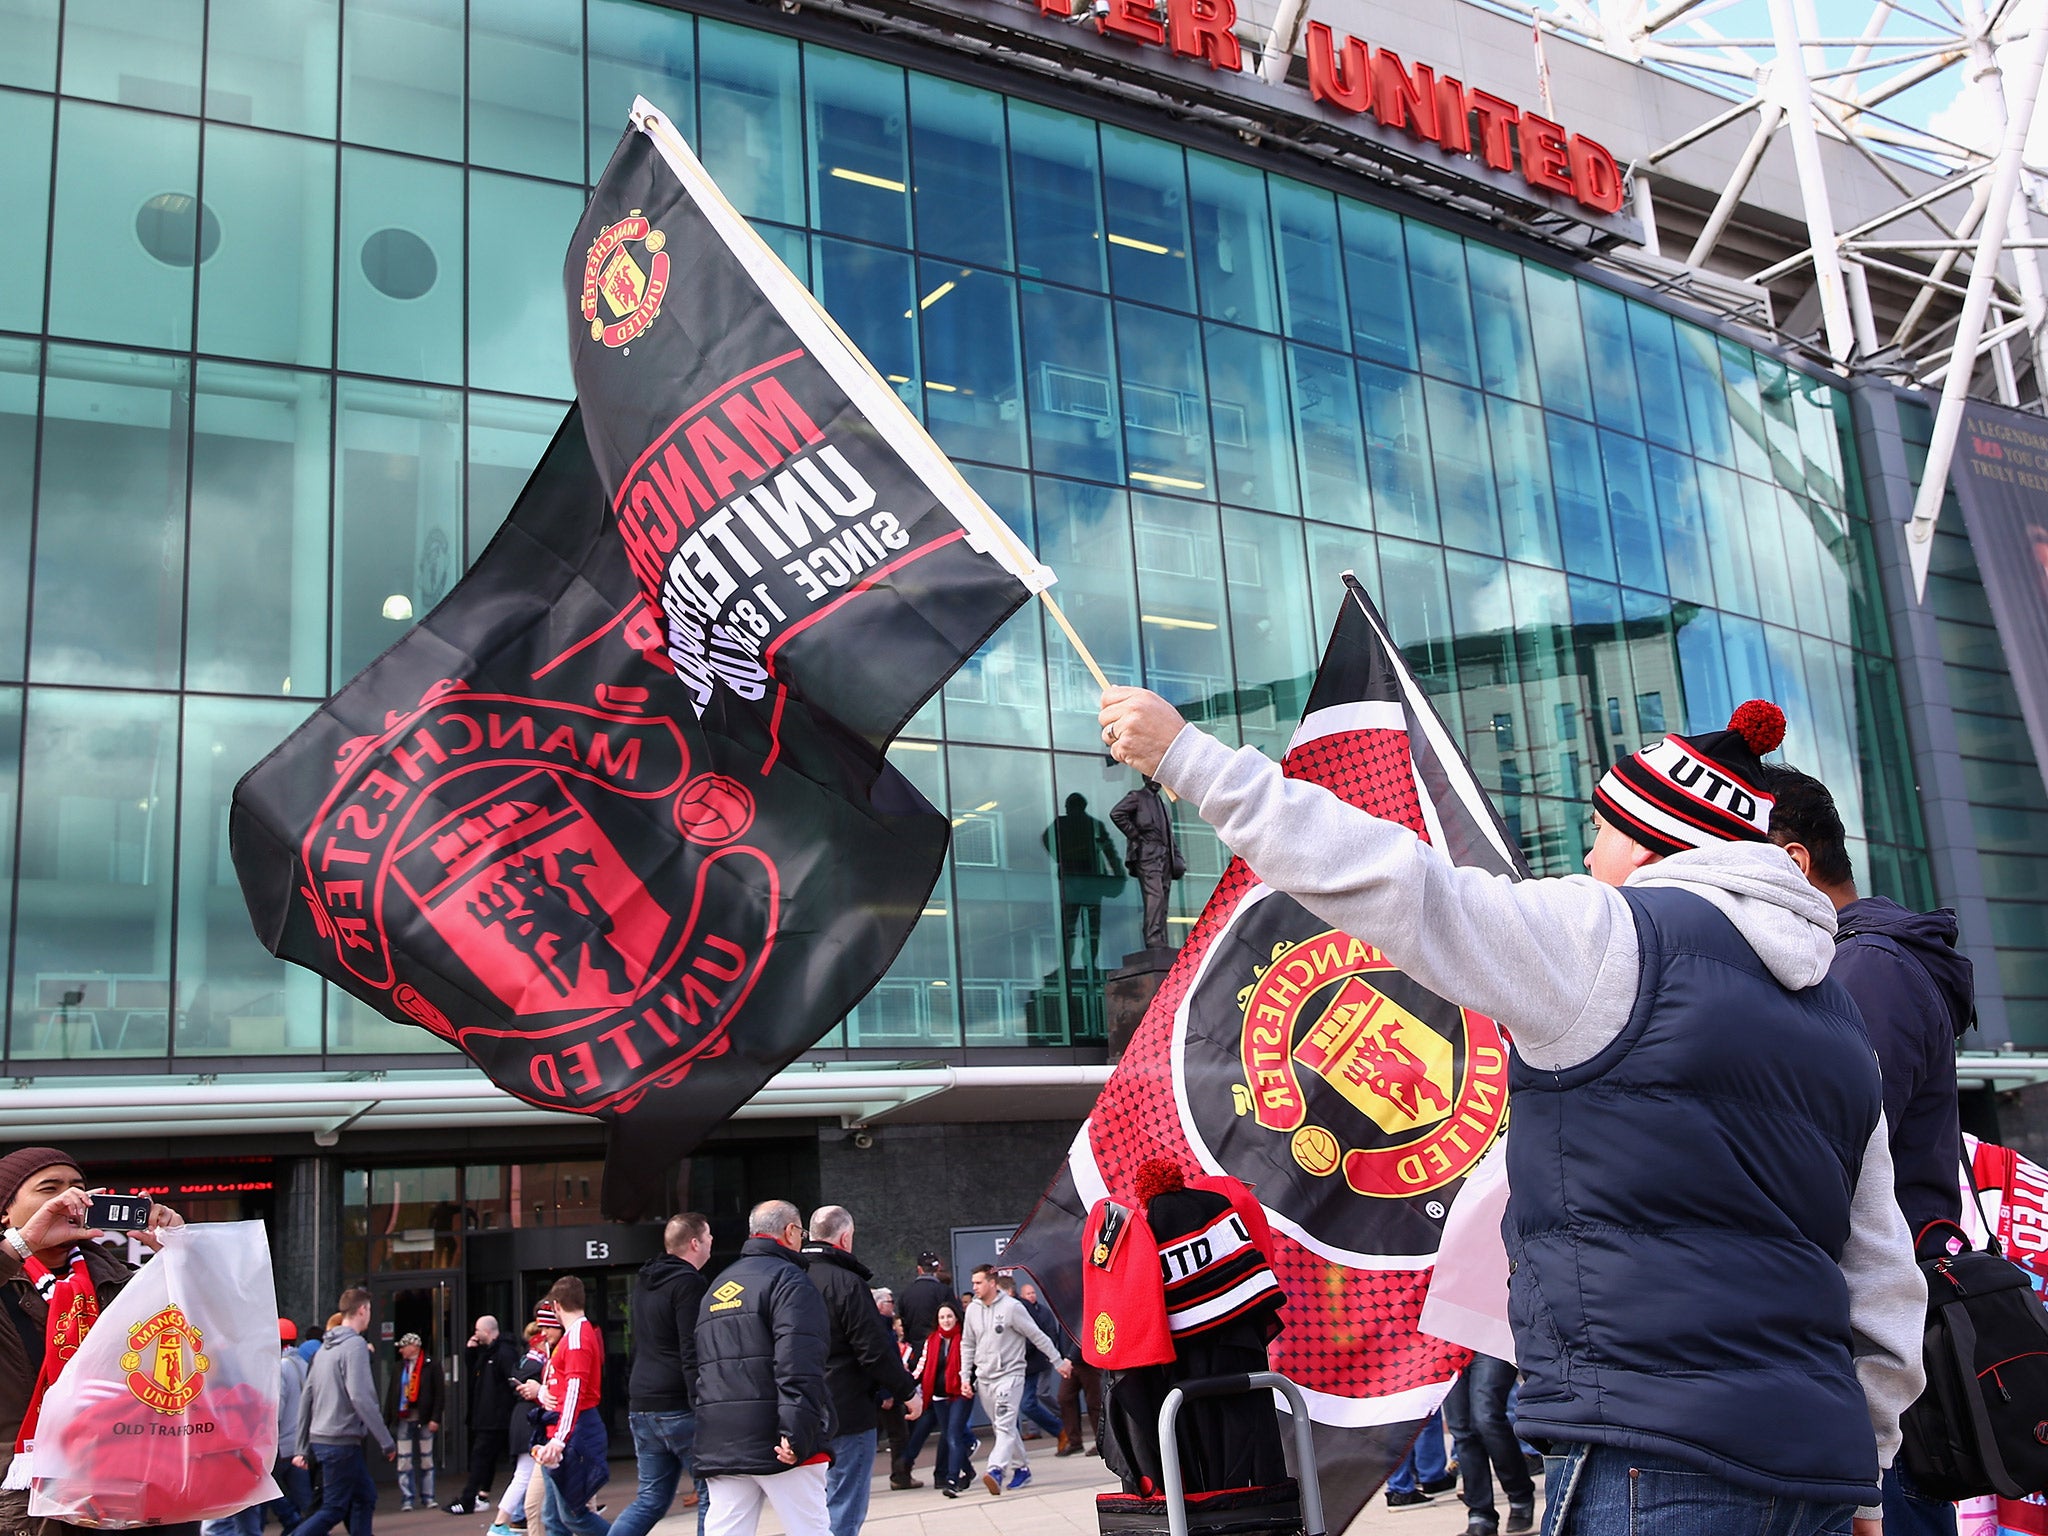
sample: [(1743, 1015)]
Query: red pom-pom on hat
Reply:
[(1157, 1176), (1760, 723)]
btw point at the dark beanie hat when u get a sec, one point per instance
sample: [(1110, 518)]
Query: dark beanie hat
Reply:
[(17, 1168), (1690, 791)]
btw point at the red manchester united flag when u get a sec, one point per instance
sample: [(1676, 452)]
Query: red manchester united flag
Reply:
[(1297, 1058)]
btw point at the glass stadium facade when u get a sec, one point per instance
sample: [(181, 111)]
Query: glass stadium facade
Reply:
[(282, 331)]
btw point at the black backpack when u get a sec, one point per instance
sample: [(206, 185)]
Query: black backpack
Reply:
[(1981, 1427)]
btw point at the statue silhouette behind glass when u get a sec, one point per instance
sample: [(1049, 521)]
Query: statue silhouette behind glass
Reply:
[(1150, 854), (1086, 860)]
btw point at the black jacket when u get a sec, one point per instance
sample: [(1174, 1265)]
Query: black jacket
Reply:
[(493, 1367), (1917, 996), (427, 1406), (525, 1428), (762, 1336), (863, 1364), (666, 1297), (918, 1305)]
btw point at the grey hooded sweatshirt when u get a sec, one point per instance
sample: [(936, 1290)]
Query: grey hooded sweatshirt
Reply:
[(339, 1405), (1555, 963)]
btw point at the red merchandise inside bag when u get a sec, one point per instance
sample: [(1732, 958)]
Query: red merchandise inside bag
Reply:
[(167, 1412), (127, 1464)]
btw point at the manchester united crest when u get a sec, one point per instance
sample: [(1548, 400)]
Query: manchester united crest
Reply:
[(517, 832), (165, 1367), (1346, 1080), (621, 297)]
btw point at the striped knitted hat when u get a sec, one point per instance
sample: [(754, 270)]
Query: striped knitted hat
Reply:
[(1690, 791)]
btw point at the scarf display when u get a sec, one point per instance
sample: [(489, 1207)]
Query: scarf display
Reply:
[(74, 1306), (409, 1385)]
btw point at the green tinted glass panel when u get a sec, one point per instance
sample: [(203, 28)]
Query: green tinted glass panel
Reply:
[(1249, 419), (129, 228), (110, 526), (506, 440), (20, 367), (961, 184), (1329, 444), (397, 513), (401, 268), (1441, 294), (98, 825), (25, 193), (257, 619), (272, 63), (1159, 358), (517, 340), (1233, 242), (526, 87), (402, 74), (636, 48), (234, 997), (751, 131), (1500, 314), (1145, 189), (30, 58), (860, 164), (140, 53), (974, 371), (268, 292), (1056, 179), (1311, 263)]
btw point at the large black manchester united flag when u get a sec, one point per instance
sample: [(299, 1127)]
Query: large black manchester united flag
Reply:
[(614, 818), (1298, 1058)]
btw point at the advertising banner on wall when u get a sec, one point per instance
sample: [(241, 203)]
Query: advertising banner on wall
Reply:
[(2001, 481)]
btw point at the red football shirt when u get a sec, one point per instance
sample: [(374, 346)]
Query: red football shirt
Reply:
[(575, 1374)]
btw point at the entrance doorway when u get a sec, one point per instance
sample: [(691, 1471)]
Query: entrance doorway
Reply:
[(421, 1302)]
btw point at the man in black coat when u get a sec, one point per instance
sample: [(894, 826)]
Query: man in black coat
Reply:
[(492, 1361), (667, 1296), (764, 1418), (862, 1368), (918, 1303)]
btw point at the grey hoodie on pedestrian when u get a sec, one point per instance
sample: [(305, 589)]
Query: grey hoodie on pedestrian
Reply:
[(1555, 962), (996, 1340), (340, 1402)]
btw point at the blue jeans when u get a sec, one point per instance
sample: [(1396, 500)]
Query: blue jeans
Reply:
[(1425, 1461), (662, 1443), (243, 1522), (1477, 1413), (1034, 1408), (848, 1480), (956, 1448), (562, 1519), (1603, 1490), (1906, 1513), (295, 1484), (346, 1492)]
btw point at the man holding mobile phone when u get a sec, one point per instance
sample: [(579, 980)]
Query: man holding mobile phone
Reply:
[(54, 1279)]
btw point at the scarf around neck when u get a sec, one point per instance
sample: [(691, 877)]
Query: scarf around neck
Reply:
[(74, 1306)]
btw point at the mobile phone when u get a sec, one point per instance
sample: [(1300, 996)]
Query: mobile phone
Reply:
[(118, 1213)]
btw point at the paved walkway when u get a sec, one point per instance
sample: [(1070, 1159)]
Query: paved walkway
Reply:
[(1060, 1501)]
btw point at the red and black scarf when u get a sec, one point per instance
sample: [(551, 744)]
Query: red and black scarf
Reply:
[(74, 1306)]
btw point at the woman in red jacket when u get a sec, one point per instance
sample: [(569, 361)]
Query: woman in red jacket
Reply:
[(948, 1404)]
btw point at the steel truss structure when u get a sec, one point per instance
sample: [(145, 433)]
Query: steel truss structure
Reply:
[(1957, 252)]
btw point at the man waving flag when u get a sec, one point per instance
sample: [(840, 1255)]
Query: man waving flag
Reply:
[(1296, 1058)]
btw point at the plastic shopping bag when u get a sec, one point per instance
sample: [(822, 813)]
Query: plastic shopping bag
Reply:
[(168, 1412)]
